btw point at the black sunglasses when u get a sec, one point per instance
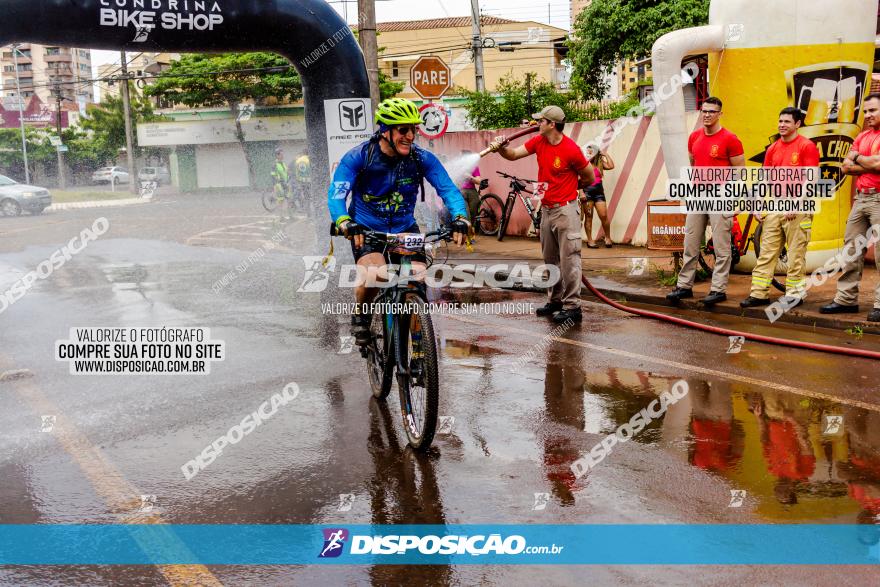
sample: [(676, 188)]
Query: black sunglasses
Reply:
[(405, 129)]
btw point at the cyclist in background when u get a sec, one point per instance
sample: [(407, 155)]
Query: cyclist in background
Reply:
[(302, 173), (281, 175), (384, 176)]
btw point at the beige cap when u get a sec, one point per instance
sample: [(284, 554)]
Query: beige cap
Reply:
[(551, 113)]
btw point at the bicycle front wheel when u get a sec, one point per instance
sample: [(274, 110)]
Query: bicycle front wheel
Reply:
[(270, 200), (418, 379)]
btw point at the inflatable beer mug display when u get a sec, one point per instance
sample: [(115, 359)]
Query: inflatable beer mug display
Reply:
[(764, 56)]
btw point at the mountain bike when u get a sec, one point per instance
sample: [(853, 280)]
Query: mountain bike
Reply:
[(494, 216), (402, 340)]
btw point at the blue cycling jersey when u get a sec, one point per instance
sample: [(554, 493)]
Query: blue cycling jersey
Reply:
[(385, 190)]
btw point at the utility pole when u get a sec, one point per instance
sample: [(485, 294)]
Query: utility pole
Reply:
[(126, 109), (477, 45), (529, 94), (369, 46), (56, 91), (27, 172)]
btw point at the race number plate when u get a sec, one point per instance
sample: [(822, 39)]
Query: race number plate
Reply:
[(409, 244)]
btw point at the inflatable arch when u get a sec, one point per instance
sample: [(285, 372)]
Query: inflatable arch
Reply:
[(307, 32), (764, 56)]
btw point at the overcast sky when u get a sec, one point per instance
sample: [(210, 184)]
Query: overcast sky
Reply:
[(554, 12)]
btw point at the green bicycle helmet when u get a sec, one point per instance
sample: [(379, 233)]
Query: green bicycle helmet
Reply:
[(397, 111)]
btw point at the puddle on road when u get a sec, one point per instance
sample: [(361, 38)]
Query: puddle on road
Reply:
[(798, 459)]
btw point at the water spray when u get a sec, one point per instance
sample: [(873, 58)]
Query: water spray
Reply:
[(516, 135)]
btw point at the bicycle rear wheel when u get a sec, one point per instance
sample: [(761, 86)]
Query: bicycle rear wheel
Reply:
[(418, 379), (489, 216), (379, 368)]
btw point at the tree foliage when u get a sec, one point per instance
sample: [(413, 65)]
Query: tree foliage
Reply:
[(514, 102), (228, 79), (388, 88), (106, 121), (39, 151), (609, 31)]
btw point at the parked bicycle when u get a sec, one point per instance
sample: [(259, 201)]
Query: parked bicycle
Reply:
[(402, 340), (494, 216)]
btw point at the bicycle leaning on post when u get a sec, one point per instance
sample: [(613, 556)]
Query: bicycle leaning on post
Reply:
[(494, 216), (402, 339)]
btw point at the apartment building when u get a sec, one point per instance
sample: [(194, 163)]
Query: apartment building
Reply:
[(42, 67)]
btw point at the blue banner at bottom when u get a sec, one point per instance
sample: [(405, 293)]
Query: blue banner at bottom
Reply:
[(439, 544)]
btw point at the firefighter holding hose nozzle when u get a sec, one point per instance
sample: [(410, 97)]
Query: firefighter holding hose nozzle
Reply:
[(563, 167)]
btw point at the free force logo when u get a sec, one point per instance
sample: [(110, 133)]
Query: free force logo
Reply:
[(351, 115), (334, 540)]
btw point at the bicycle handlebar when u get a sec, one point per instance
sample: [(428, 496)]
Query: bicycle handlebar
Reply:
[(444, 233), (508, 176)]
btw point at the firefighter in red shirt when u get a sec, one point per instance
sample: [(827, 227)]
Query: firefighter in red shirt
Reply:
[(710, 146), (789, 230), (563, 167)]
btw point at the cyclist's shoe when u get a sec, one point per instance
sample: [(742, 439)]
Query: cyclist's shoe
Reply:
[(713, 298), (678, 294), (835, 308), (548, 309), (360, 329), (874, 315), (753, 302), (572, 314)]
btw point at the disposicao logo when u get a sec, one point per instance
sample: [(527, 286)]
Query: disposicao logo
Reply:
[(334, 540)]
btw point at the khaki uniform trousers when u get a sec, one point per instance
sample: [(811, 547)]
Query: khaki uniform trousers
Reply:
[(794, 234), (561, 246), (865, 213), (694, 232)]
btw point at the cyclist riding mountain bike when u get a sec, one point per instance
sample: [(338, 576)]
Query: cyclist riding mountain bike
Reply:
[(384, 176)]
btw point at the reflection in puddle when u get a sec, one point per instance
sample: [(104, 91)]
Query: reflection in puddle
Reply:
[(800, 459)]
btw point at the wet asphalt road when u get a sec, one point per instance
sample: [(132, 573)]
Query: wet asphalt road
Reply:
[(756, 421)]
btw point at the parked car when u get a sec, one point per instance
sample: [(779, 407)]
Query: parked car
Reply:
[(15, 197), (111, 175), (158, 174)]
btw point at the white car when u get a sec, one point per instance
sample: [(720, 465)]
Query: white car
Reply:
[(158, 174), (110, 175)]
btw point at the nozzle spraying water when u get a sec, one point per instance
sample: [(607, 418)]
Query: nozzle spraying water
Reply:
[(516, 135)]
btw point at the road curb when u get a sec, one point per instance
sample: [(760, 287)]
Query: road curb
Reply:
[(98, 204), (792, 317)]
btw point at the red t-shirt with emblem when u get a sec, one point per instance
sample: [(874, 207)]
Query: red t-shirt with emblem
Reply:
[(868, 144), (558, 167), (714, 150), (801, 152)]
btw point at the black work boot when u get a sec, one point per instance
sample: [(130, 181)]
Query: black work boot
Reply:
[(548, 309), (714, 297), (678, 294), (572, 314), (874, 315), (835, 308), (753, 302)]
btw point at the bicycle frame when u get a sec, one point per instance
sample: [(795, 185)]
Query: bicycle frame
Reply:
[(517, 189)]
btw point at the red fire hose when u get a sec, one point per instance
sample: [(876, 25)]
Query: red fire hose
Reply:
[(516, 135), (726, 332)]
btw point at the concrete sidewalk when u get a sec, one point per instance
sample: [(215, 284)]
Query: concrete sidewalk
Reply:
[(609, 270)]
